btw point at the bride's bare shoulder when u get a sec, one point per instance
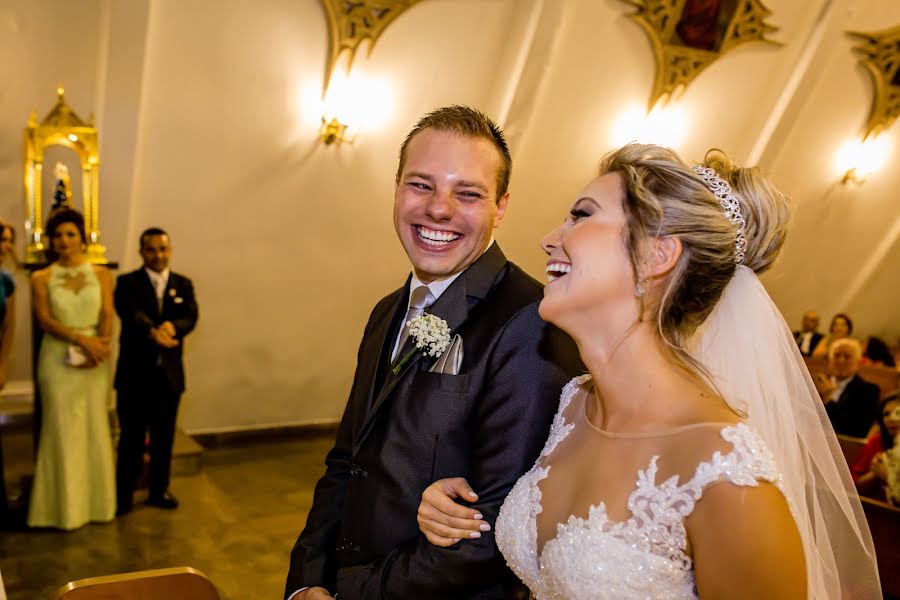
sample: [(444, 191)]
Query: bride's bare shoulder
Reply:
[(744, 540)]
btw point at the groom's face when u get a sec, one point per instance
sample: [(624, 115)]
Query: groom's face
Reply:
[(445, 204)]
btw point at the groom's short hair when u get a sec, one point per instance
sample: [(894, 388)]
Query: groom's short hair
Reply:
[(465, 121), (149, 233)]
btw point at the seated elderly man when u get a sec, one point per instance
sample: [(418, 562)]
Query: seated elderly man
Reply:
[(850, 401)]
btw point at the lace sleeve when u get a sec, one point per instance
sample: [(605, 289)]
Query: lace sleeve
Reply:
[(749, 462), (559, 428)]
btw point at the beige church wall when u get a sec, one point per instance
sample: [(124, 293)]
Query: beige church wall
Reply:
[(208, 129), (842, 250), (289, 243), (602, 66)]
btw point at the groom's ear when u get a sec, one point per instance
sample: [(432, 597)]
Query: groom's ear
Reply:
[(664, 254), (502, 203)]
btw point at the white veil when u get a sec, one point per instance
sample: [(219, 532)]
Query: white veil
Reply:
[(752, 357)]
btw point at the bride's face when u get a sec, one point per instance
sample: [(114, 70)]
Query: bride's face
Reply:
[(589, 269)]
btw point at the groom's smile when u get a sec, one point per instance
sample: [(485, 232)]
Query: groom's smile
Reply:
[(445, 203), (436, 239)]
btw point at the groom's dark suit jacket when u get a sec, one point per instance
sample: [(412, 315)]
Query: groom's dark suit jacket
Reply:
[(399, 433)]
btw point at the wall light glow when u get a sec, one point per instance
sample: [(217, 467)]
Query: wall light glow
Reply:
[(360, 102), (664, 125), (352, 104), (855, 160)]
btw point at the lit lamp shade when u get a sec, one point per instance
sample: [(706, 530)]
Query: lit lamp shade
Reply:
[(354, 103), (664, 125), (856, 160)]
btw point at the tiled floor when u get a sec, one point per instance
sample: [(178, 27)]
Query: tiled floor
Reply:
[(237, 522)]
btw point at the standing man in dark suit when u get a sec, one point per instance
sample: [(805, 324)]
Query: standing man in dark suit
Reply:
[(808, 337), (850, 401), (157, 309), (405, 425)]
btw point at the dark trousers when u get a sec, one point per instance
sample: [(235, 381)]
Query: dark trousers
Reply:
[(151, 408)]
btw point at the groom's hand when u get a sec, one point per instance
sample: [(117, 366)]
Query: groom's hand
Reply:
[(443, 521), (313, 593)]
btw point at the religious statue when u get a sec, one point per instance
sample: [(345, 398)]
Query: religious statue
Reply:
[(62, 197)]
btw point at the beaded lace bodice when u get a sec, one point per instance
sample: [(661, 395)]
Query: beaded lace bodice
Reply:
[(642, 556)]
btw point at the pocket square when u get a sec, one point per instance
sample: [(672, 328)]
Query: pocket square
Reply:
[(450, 361)]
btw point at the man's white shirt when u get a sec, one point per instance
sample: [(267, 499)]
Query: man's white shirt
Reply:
[(806, 338), (159, 280)]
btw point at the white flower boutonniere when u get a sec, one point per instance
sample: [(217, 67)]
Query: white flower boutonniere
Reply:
[(431, 334)]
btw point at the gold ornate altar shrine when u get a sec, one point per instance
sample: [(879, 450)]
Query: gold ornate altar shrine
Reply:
[(61, 127)]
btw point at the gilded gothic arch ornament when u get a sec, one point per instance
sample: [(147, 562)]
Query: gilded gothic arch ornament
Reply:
[(689, 35), (352, 21), (61, 127), (880, 55)]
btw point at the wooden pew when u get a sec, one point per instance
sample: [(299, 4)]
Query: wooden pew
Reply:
[(816, 365), (851, 446), (886, 378), (884, 522), (179, 583)]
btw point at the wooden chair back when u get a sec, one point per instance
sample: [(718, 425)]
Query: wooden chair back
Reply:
[(886, 378), (179, 583), (884, 522), (816, 365), (851, 446)]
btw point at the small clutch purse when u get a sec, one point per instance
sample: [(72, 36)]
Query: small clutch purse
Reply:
[(75, 356)]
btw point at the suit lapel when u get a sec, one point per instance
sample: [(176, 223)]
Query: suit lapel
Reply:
[(149, 291), (171, 286), (453, 306), (385, 334)]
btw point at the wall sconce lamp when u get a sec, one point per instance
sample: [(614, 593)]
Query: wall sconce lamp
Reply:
[(351, 101), (857, 160), (332, 131), (878, 53)]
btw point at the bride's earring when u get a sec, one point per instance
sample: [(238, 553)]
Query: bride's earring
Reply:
[(639, 289)]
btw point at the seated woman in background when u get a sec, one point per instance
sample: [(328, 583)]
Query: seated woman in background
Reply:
[(7, 332), (7, 305), (870, 469), (877, 353), (74, 478), (840, 328)]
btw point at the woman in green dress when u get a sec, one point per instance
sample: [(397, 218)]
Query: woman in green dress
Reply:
[(74, 480)]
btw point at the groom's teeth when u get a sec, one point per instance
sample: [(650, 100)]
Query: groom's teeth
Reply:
[(436, 238)]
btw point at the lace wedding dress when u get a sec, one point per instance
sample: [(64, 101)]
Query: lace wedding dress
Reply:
[(614, 527)]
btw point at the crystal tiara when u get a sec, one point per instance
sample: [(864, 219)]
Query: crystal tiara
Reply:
[(721, 190)]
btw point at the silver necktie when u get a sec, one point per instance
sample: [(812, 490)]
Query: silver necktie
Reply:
[(419, 302)]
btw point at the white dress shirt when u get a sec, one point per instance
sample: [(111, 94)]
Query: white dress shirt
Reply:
[(806, 338), (839, 386), (160, 281)]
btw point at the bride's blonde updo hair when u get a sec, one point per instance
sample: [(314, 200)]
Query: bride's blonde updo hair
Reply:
[(666, 197)]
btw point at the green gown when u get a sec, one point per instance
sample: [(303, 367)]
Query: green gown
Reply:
[(74, 479)]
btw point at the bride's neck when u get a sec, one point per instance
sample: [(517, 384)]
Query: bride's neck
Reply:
[(631, 373)]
